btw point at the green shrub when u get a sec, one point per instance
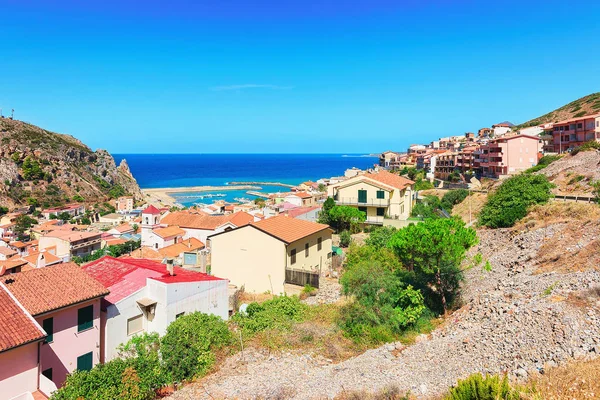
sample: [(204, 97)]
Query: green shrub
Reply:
[(587, 146), (543, 163), (478, 387), (422, 184), (380, 236), (453, 197), (345, 239), (188, 347), (512, 199), (384, 256), (277, 313), (427, 208)]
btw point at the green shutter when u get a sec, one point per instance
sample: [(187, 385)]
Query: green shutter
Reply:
[(380, 194), (380, 211), (84, 362), (48, 325), (85, 318), (362, 196)]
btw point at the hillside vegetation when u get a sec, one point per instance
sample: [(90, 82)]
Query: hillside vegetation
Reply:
[(586, 105), (42, 168)]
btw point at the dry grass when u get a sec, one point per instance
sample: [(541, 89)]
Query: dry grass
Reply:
[(246, 297), (558, 212), (577, 380), (477, 201), (391, 392)]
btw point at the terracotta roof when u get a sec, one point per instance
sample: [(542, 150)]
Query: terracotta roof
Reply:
[(124, 276), (112, 241), (17, 327), (7, 252), (174, 250), (49, 258), (10, 264), (72, 236), (390, 179), (46, 289), (151, 210), (288, 229), (18, 244), (186, 219), (302, 195), (123, 228), (296, 212), (169, 231), (146, 252)]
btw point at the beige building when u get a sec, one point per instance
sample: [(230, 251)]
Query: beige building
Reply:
[(265, 255), (380, 195), (67, 244)]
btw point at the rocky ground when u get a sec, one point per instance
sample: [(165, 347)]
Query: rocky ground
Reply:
[(513, 320), (572, 175)]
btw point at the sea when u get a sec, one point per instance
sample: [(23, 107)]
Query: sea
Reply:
[(187, 170)]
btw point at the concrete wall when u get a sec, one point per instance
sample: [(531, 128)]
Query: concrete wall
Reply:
[(68, 344), (249, 258), (19, 371), (62, 247)]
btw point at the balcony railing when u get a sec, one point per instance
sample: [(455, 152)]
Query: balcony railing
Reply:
[(355, 201), (375, 220)]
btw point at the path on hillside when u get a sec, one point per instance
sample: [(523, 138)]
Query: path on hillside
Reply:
[(513, 320)]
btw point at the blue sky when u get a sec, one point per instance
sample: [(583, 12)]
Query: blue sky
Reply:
[(282, 76)]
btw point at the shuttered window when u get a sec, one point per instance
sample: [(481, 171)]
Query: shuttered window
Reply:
[(362, 196), (135, 325), (380, 194), (85, 318), (293, 256), (319, 244), (306, 247), (84, 362)]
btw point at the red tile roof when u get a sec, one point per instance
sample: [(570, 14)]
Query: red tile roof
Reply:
[(151, 210), (169, 231), (73, 236), (46, 289), (174, 250), (288, 229), (7, 252), (48, 257), (10, 264), (17, 327), (124, 276), (387, 178), (302, 195), (186, 219), (296, 212)]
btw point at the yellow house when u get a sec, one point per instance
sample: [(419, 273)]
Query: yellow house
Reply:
[(379, 194), (265, 255)]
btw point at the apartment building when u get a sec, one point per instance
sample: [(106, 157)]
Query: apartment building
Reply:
[(507, 155), (574, 132), (445, 165)]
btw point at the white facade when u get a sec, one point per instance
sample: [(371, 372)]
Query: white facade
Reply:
[(149, 222), (172, 299)]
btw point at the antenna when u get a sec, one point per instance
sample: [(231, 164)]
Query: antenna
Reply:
[(12, 114)]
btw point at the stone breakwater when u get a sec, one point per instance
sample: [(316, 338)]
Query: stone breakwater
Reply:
[(513, 321)]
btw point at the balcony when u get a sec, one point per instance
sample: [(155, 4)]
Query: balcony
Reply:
[(355, 201), (375, 220)]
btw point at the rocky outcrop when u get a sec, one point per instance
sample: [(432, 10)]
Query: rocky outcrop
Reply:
[(38, 166)]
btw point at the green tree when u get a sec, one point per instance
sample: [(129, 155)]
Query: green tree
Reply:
[(327, 206), (380, 237), (322, 188), (427, 208), (513, 198), (346, 218), (64, 216), (383, 256), (453, 197), (32, 169), (22, 224), (189, 344), (3, 210), (345, 239), (433, 250)]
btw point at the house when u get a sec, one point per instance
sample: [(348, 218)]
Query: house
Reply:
[(120, 230), (74, 210), (6, 253), (12, 266), (41, 259), (507, 155), (65, 302), (265, 255), (146, 296), (7, 231), (67, 244), (502, 128), (10, 218), (111, 219), (445, 165), (305, 213), (20, 247), (124, 204), (20, 343), (160, 237), (300, 199), (187, 253), (574, 132), (200, 226), (390, 159), (379, 194)]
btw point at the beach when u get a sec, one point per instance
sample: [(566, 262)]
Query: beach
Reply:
[(163, 196)]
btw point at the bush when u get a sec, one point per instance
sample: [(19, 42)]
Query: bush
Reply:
[(427, 208), (382, 256), (190, 342), (543, 163), (345, 239), (379, 237), (453, 197), (512, 199), (422, 184), (277, 313), (587, 146), (478, 387)]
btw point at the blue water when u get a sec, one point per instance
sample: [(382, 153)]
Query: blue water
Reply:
[(182, 170)]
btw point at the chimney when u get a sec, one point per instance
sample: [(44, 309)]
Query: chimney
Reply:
[(170, 268), (41, 261)]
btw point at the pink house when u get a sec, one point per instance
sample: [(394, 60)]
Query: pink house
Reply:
[(507, 155), (574, 132), (65, 302), (20, 341)]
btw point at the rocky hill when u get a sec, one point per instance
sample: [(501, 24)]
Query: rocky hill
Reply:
[(589, 104), (39, 167)]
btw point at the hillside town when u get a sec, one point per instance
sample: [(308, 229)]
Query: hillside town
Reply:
[(77, 284)]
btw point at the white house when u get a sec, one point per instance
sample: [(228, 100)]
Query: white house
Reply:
[(146, 296), (158, 238)]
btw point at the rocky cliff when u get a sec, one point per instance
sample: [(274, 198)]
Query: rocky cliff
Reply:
[(43, 168)]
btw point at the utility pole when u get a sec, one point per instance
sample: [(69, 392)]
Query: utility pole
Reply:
[(12, 114)]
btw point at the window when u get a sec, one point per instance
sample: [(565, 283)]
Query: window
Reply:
[(579, 126), (319, 244), (380, 211), (380, 194), (85, 318), (48, 325), (362, 209), (135, 325), (306, 247), (362, 196), (47, 373), (181, 314), (293, 256), (84, 362)]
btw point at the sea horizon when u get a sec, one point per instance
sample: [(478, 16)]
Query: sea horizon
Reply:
[(154, 171)]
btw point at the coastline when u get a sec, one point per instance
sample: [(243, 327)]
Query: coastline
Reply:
[(162, 196)]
